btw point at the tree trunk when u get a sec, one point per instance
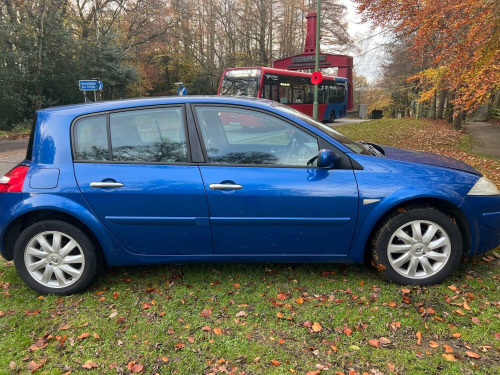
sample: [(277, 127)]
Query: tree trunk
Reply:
[(457, 121), (449, 109), (440, 104), (432, 111), (496, 101)]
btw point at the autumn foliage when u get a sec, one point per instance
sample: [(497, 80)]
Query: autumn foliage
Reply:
[(455, 42)]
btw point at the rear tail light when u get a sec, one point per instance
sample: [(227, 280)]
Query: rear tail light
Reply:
[(12, 181)]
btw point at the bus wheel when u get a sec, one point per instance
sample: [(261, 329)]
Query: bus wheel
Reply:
[(332, 117)]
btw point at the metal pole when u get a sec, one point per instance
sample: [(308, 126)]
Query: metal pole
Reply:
[(316, 63)]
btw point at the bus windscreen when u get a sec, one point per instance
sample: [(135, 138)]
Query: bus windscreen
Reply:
[(241, 82)]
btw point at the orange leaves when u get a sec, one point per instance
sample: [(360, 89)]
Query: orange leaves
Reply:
[(316, 327), (447, 349), (206, 313), (89, 365), (347, 331), (217, 331), (275, 362), (449, 357), (179, 345), (419, 338), (300, 300), (374, 342), (471, 354), (281, 296), (433, 344), (134, 367)]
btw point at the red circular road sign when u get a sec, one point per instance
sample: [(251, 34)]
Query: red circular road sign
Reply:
[(316, 78)]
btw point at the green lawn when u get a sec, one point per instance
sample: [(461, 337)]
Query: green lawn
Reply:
[(264, 318)]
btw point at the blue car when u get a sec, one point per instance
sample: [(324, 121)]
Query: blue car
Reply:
[(220, 179)]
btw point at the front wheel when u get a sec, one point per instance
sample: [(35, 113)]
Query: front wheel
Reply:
[(55, 257), (418, 246)]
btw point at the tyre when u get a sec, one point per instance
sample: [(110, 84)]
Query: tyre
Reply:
[(419, 246), (55, 257), (332, 116)]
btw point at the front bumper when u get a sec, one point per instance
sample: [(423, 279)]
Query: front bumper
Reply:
[(483, 214)]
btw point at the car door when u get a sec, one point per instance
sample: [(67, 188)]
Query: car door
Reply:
[(133, 169), (263, 197)]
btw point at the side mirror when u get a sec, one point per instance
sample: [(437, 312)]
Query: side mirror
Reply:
[(327, 159)]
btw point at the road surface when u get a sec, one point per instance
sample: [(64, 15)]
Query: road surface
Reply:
[(11, 153)]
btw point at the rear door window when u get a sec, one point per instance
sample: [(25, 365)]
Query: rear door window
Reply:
[(148, 135), (154, 135)]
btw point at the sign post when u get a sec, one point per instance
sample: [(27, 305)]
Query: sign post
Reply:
[(316, 63), (90, 85)]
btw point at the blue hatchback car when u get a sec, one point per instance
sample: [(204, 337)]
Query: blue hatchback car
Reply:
[(219, 179)]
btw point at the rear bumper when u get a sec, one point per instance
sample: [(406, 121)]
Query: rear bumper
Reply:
[(9, 204), (484, 221)]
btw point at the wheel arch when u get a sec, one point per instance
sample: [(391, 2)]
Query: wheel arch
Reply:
[(27, 219), (432, 203)]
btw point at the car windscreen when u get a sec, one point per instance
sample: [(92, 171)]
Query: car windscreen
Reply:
[(352, 145)]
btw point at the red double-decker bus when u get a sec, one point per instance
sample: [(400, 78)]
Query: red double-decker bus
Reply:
[(288, 87)]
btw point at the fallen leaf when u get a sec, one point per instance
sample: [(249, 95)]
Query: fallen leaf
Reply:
[(89, 365), (419, 338), (307, 324), (456, 335), (83, 336), (447, 349), (449, 357), (280, 315), (316, 327), (134, 367), (475, 320), (179, 345), (472, 354), (300, 300), (33, 366), (206, 328), (217, 331), (281, 296), (433, 344), (348, 331), (206, 313), (275, 362), (241, 314), (374, 342), (384, 341)]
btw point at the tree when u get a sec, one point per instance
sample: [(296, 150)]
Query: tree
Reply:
[(455, 42)]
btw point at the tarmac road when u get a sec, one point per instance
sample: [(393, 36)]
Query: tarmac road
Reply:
[(486, 138), (11, 153)]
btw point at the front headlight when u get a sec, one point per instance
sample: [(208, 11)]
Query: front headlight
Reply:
[(484, 186)]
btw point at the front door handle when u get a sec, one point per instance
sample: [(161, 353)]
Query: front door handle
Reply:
[(106, 184), (225, 186)]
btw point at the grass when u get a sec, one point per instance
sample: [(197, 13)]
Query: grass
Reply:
[(259, 318)]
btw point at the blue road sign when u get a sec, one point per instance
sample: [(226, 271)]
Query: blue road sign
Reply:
[(89, 85), (182, 90), (99, 85)]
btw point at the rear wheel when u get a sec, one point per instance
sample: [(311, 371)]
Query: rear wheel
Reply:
[(332, 116), (418, 246), (55, 257)]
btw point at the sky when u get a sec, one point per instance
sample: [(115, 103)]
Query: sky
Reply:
[(368, 59)]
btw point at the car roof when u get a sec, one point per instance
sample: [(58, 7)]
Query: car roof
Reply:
[(84, 108)]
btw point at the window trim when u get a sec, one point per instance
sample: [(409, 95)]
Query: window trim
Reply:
[(321, 142), (107, 114)]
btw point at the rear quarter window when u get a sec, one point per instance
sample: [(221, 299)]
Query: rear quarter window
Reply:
[(91, 138)]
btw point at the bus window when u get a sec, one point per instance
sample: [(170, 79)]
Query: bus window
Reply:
[(285, 93)]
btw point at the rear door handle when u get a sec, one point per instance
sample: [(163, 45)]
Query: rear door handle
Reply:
[(106, 184), (225, 186)]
